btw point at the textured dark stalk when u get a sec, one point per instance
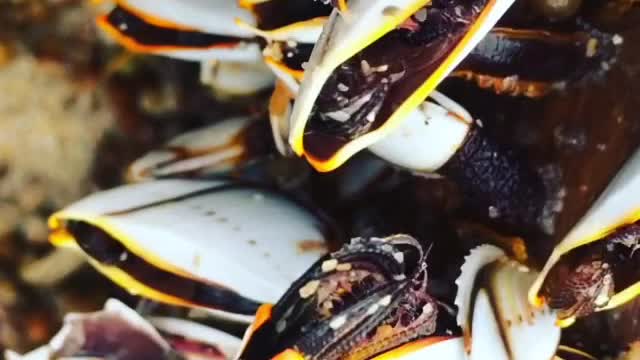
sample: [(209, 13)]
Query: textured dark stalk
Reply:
[(497, 183)]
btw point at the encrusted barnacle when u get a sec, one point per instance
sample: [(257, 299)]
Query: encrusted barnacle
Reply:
[(375, 303), (161, 28), (595, 267), (361, 83)]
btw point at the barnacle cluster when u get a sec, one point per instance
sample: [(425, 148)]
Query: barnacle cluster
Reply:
[(375, 209)]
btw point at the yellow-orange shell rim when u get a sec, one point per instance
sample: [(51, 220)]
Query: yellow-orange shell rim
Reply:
[(345, 36), (60, 237), (613, 209)]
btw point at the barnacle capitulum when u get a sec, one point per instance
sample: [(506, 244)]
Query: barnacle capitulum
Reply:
[(366, 298), (287, 61), (205, 32), (595, 267), (516, 61), (190, 30), (441, 136), (214, 149), (132, 337), (362, 80), (369, 300), (207, 244), (494, 313)]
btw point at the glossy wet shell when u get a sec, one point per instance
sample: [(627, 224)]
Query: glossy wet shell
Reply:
[(210, 230), (613, 208), (342, 38)]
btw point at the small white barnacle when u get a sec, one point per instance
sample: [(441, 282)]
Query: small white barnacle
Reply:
[(371, 117), (603, 297), (373, 309), (338, 115), (421, 15), (338, 322), (617, 40), (458, 10), (329, 265), (382, 68), (400, 277), (309, 289), (281, 325), (427, 309), (344, 267), (385, 301), (365, 68), (387, 248), (399, 256)]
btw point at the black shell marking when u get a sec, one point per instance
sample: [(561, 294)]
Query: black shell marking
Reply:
[(109, 252), (364, 299), (136, 29), (363, 92)]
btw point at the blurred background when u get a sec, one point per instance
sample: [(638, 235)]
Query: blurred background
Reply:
[(75, 109)]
